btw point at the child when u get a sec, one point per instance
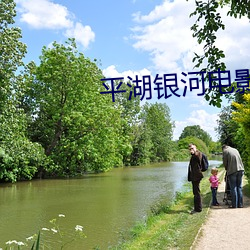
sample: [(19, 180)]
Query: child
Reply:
[(214, 185)]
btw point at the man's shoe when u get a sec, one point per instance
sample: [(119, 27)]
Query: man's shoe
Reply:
[(217, 204), (194, 212), (231, 206)]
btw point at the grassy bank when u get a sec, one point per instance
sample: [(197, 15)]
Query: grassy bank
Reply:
[(170, 227)]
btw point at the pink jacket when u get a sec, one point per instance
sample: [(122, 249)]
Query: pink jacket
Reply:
[(214, 181)]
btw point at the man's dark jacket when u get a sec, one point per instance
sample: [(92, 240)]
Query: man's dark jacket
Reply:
[(194, 168)]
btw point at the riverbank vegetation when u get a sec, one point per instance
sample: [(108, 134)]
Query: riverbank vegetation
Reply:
[(54, 121), (170, 226)]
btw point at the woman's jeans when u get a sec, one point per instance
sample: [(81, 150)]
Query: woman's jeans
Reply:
[(235, 182), (214, 196)]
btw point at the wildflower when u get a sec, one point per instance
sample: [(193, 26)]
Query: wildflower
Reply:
[(54, 230), (10, 242), (78, 228), (61, 215), (20, 243), (29, 238), (45, 229)]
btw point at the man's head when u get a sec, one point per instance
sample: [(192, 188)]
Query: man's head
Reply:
[(192, 148)]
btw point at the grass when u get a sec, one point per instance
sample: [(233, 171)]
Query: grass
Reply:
[(246, 188), (170, 226)]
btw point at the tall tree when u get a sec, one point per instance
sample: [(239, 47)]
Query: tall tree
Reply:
[(12, 51), (19, 157), (142, 145), (227, 127), (241, 116), (157, 123), (130, 108), (78, 127)]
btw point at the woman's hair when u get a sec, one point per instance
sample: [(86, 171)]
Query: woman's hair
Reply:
[(214, 170)]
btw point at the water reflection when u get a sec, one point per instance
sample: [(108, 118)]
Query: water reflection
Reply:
[(105, 204)]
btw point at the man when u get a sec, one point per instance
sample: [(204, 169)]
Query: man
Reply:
[(235, 169), (195, 175)]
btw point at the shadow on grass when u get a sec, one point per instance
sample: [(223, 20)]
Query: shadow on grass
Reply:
[(183, 204)]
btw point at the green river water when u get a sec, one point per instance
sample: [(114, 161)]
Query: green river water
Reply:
[(104, 204)]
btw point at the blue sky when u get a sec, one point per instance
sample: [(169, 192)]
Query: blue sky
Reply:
[(136, 37)]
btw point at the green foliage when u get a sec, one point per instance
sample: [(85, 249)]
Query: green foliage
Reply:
[(158, 128), (227, 127), (233, 127), (241, 116), (178, 154), (181, 154), (205, 29), (78, 127), (130, 131), (141, 145), (237, 8), (12, 50), (36, 243), (215, 147), (196, 131), (20, 159), (201, 146)]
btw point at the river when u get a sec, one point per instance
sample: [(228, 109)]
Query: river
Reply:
[(105, 204)]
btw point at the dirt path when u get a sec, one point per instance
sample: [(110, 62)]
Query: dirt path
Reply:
[(225, 228)]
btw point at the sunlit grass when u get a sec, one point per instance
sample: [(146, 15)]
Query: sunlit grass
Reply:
[(170, 226)]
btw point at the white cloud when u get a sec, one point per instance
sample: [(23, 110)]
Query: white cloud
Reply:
[(159, 12), (112, 72), (206, 121), (165, 33), (234, 41), (83, 34), (179, 126), (44, 14)]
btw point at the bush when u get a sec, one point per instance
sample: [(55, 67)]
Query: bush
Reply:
[(20, 160)]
